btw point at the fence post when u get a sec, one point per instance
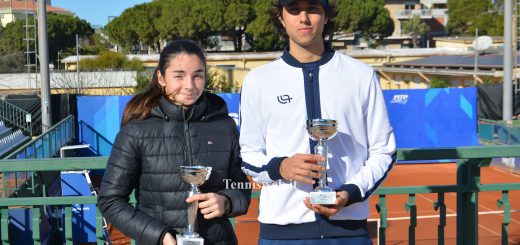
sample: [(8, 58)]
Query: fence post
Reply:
[(68, 225), (4, 220), (468, 178), (36, 219), (441, 206), (507, 215), (382, 210)]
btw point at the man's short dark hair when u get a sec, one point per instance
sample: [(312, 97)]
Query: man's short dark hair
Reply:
[(330, 13)]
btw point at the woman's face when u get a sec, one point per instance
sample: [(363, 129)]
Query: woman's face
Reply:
[(183, 79)]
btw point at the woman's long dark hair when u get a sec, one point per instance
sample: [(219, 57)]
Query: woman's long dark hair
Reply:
[(140, 106)]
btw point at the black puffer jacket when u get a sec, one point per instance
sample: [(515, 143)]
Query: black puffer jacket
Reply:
[(146, 157)]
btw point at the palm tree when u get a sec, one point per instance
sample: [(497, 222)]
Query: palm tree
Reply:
[(415, 27)]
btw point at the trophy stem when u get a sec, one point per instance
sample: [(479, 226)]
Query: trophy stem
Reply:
[(192, 214), (322, 150)]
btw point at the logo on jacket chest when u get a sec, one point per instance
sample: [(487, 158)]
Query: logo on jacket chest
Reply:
[(284, 99)]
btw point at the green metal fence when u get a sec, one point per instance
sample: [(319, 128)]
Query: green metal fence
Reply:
[(49, 143), (499, 132), (46, 145), (16, 116), (470, 161)]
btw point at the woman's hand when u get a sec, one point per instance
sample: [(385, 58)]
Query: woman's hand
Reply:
[(211, 205), (169, 240)]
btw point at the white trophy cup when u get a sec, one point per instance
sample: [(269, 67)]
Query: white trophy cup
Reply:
[(195, 176), (321, 130)]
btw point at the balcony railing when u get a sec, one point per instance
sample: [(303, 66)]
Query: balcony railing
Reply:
[(17, 117), (409, 13), (469, 163)]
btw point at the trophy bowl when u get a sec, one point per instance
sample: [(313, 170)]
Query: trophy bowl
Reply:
[(195, 176), (321, 129)]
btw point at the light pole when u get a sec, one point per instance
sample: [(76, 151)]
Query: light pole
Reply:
[(43, 48), (507, 96)]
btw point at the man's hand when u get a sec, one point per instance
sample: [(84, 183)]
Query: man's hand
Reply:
[(211, 205), (169, 240), (302, 168), (328, 210)]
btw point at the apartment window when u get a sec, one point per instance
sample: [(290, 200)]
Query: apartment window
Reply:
[(439, 6), (409, 6)]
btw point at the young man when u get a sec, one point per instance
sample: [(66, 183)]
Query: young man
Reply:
[(311, 81)]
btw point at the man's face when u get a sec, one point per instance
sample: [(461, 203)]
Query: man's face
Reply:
[(304, 22)]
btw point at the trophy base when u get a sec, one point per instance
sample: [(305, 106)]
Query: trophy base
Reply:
[(323, 198), (181, 240)]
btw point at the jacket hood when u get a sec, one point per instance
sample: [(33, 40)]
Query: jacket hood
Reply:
[(208, 106)]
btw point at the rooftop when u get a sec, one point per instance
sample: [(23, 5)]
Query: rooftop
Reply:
[(29, 5), (277, 54)]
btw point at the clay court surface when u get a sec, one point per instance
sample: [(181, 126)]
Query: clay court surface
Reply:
[(490, 216)]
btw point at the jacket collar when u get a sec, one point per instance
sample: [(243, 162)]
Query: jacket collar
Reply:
[(326, 57), (206, 107)]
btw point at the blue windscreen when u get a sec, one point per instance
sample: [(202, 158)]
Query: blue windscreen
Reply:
[(103, 113), (433, 117), (420, 117)]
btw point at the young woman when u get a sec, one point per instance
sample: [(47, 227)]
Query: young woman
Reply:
[(174, 123)]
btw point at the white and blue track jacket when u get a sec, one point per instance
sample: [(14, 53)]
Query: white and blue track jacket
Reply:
[(276, 100)]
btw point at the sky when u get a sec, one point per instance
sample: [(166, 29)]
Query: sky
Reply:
[(96, 12)]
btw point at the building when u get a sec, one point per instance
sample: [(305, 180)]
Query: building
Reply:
[(456, 70), (12, 10), (235, 66), (431, 12)]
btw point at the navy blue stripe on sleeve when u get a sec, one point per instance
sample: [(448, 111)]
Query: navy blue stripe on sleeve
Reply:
[(353, 190)]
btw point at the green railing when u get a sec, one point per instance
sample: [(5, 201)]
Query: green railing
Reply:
[(16, 116), (40, 203), (46, 145), (470, 160), (499, 132), (88, 135), (49, 143)]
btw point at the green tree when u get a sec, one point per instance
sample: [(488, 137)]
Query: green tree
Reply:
[(197, 20), (99, 43), (438, 82), (368, 17), (415, 27), (120, 31), (143, 23), (237, 15), (261, 33), (12, 63), (467, 15), (61, 30), (108, 60), (12, 38)]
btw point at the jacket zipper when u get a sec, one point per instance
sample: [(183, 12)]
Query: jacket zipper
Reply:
[(311, 82), (187, 136), (313, 113)]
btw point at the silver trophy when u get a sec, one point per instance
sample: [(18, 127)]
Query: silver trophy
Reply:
[(195, 176), (321, 130)]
